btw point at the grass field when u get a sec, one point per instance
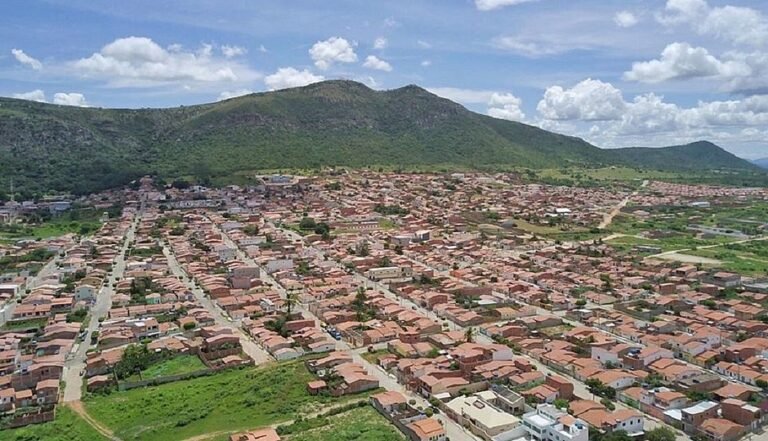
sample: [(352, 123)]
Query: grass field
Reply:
[(177, 365), (233, 400), (357, 424), (66, 427), (749, 258)]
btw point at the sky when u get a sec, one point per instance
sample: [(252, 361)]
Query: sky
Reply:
[(617, 73)]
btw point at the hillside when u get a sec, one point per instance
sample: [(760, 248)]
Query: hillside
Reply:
[(762, 163), (44, 146)]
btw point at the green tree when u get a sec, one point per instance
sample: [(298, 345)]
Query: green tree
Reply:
[(660, 433), (307, 223)]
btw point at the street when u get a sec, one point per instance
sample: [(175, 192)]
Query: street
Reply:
[(75, 362)]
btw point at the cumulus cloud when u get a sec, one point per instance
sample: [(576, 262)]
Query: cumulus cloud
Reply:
[(227, 94), (61, 98), (625, 19), (739, 25), (376, 63), (506, 106), (333, 50), (589, 100), (648, 119), (140, 61), (286, 77), (26, 60), (233, 51), (426, 63), (70, 99), (380, 43), (682, 61), (489, 5), (35, 95)]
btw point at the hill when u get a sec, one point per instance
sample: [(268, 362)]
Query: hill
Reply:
[(762, 163), (44, 146)]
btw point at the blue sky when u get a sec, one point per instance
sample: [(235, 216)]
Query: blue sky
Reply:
[(617, 73)]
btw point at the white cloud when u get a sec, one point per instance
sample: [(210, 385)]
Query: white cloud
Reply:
[(426, 63), (35, 95), (649, 120), (506, 106), (139, 61), (233, 51), (589, 100), (464, 96), (70, 99), (489, 5), (227, 94), (376, 63), (739, 25), (625, 19), (263, 49), (424, 44), (530, 48), (286, 77), (333, 50), (380, 43), (682, 61), (61, 98), (26, 60)]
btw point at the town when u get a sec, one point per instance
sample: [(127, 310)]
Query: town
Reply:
[(382, 305)]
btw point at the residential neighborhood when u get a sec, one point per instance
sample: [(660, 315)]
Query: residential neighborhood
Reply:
[(457, 306)]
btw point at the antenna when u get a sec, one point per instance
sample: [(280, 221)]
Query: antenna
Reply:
[(13, 195)]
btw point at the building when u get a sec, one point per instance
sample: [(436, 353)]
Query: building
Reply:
[(427, 429), (483, 418), (548, 423)]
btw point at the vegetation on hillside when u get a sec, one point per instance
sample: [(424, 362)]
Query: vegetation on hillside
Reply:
[(44, 147)]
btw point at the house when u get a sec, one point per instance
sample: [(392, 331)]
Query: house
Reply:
[(693, 417), (549, 423), (720, 429), (427, 429), (482, 418)]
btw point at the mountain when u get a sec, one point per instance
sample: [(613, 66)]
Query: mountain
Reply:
[(762, 163), (44, 146)]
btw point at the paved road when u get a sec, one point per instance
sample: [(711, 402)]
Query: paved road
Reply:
[(75, 362), (253, 350)]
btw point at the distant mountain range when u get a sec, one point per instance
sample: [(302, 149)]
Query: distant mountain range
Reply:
[(762, 163), (44, 146)]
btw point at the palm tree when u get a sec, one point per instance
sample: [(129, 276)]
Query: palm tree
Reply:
[(469, 335), (290, 301)]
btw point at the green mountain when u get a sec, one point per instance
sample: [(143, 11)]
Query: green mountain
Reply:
[(44, 146)]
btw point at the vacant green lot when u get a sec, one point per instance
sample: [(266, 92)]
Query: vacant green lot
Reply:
[(67, 427), (182, 364), (358, 424), (750, 258), (233, 400)]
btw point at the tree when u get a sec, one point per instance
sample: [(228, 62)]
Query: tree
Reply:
[(290, 301), (660, 433), (761, 383), (581, 302), (307, 223), (359, 303), (251, 230), (469, 334), (562, 404)]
